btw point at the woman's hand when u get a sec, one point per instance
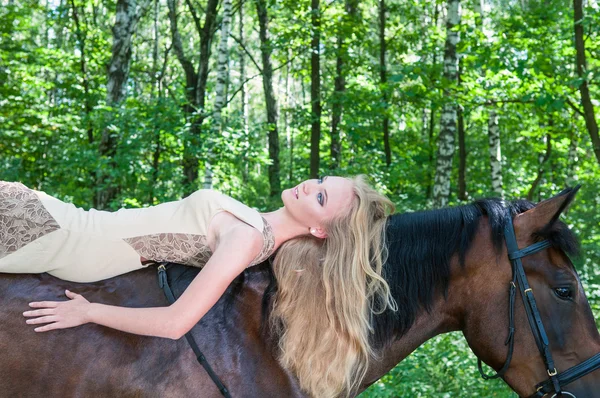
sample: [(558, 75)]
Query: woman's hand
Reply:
[(59, 314)]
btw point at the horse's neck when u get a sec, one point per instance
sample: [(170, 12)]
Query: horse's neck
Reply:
[(426, 326)]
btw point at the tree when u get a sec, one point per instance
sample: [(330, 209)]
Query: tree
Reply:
[(582, 72), (383, 82), (220, 89), (127, 16), (315, 88), (195, 84), (345, 29), (270, 100), (441, 188), (495, 153)]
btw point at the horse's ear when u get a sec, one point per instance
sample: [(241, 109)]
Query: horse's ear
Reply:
[(545, 213)]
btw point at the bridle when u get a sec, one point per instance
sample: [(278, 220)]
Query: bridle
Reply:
[(556, 381)]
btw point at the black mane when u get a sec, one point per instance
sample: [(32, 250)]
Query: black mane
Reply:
[(421, 246)]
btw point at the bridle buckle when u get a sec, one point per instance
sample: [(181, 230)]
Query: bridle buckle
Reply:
[(552, 373)]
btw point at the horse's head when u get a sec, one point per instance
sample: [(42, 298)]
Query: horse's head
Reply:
[(563, 308)]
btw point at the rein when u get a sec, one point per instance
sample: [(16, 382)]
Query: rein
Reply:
[(556, 381), (163, 282)]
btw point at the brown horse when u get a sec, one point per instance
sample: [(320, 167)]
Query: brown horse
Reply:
[(448, 270)]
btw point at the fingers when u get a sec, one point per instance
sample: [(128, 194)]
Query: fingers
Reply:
[(44, 304), (47, 311), (70, 294), (43, 319), (51, 326)]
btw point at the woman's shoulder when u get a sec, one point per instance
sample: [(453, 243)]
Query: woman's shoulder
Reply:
[(239, 210)]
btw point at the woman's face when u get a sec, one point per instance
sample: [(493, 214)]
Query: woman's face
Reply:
[(313, 202)]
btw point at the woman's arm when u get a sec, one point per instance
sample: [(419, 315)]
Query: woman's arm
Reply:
[(234, 252)]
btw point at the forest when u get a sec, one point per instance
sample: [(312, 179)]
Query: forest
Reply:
[(130, 103)]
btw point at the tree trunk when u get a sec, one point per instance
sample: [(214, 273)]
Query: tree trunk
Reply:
[(243, 94), (220, 92), (195, 85), (155, 92), (571, 179), (315, 89), (81, 38), (383, 83), (543, 159), (289, 133), (462, 147), (430, 174), (271, 102), (127, 16), (431, 126), (586, 102), (339, 87), (441, 188), (462, 157), (495, 154), (337, 107)]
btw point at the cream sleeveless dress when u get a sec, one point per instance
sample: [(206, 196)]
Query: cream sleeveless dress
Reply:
[(39, 233)]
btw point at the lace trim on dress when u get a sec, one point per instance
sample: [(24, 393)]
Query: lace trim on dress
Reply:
[(187, 249), (268, 245), (23, 217)]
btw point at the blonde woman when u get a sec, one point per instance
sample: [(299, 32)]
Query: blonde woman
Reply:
[(328, 269)]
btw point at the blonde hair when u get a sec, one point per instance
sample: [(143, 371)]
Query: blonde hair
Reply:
[(327, 292)]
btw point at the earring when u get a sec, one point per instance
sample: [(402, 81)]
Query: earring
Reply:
[(313, 231)]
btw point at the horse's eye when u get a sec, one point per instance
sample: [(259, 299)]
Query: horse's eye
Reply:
[(563, 293)]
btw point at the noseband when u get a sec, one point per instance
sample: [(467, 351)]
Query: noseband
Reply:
[(556, 381)]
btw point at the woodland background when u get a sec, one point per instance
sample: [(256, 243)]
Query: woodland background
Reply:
[(136, 102)]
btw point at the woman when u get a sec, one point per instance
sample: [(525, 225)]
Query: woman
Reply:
[(323, 306)]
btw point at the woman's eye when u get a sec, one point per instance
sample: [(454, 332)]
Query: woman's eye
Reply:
[(320, 198), (563, 293)]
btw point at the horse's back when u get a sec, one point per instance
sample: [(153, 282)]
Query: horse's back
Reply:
[(92, 360)]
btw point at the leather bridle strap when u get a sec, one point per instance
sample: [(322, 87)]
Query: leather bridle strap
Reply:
[(534, 248), (569, 375), (163, 282), (533, 314)]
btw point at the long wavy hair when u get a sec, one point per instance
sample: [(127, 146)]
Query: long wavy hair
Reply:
[(327, 292)]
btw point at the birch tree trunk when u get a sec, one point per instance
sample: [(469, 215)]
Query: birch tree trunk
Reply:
[(446, 147), (315, 89), (271, 101), (431, 126), (495, 153), (127, 16), (220, 91), (582, 72), (243, 94)]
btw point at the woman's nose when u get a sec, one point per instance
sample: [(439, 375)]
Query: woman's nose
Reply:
[(310, 186)]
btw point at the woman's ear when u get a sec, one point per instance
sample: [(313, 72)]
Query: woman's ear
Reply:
[(318, 233)]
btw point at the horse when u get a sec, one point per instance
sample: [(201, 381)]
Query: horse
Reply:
[(448, 270)]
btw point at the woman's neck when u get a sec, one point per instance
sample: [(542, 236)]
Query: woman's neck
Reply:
[(284, 226)]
